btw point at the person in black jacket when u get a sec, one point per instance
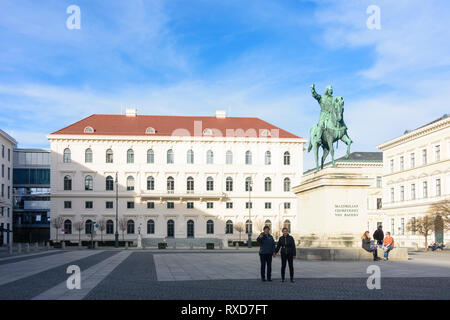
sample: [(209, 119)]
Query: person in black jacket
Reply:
[(288, 253), (266, 250), (366, 245), (378, 235)]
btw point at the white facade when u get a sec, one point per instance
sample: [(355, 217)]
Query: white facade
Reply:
[(211, 200), (416, 174), (7, 144)]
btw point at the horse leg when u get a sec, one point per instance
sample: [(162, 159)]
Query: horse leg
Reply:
[(324, 156), (348, 142), (316, 155), (330, 145)]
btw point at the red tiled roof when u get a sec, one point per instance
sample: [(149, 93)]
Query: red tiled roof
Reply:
[(122, 125)]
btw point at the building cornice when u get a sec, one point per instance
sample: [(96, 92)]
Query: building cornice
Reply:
[(8, 137)]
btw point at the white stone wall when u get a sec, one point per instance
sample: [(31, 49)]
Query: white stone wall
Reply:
[(180, 171), (6, 183)]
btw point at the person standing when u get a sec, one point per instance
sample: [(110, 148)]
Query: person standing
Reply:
[(388, 245), (378, 235), (288, 253), (366, 245), (266, 250)]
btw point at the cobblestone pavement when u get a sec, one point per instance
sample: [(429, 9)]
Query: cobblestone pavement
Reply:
[(184, 274)]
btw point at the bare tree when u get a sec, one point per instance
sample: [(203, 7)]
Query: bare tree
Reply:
[(79, 225), (123, 226), (239, 227), (57, 223), (423, 226), (441, 211), (259, 225), (102, 227)]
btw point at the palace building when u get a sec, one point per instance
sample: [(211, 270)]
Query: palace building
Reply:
[(416, 174), (183, 178)]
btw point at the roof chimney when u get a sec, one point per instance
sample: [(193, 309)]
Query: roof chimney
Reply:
[(221, 114), (130, 112)]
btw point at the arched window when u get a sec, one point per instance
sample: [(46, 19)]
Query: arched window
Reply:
[(209, 184), (267, 184), (150, 226), (67, 156), (150, 130), (287, 158), (190, 185), (109, 156), (287, 224), (67, 183), (88, 183), (68, 226), (130, 227), (150, 183), (287, 185), (210, 227), (130, 156), (190, 229), (170, 185), (248, 184), (229, 227), (88, 130), (130, 183), (170, 228), (268, 223), (268, 158), (150, 156), (88, 226), (229, 184), (229, 157), (209, 157), (248, 227), (109, 227), (190, 157), (248, 157), (170, 156), (88, 155), (109, 183)]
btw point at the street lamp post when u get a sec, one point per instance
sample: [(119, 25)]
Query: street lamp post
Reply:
[(250, 226), (116, 234)]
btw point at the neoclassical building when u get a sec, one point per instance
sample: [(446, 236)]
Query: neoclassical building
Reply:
[(416, 174), (177, 177), (7, 144)]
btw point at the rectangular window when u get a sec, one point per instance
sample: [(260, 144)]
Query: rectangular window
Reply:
[(3, 170), (392, 226), (9, 155), (413, 225), (425, 189), (3, 151), (392, 195), (392, 165), (248, 205), (424, 156), (9, 192), (67, 204), (412, 163), (379, 203), (190, 205), (287, 205), (438, 187), (130, 204), (229, 205), (9, 173), (437, 153), (109, 205), (89, 204), (379, 185), (170, 205), (403, 226), (413, 191), (402, 163), (150, 205), (268, 205), (210, 205), (402, 193)]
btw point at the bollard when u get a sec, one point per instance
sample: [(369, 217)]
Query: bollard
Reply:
[(220, 245), (27, 248), (191, 246), (48, 245), (63, 245), (236, 244), (10, 249), (96, 245), (126, 244), (79, 245), (174, 245), (36, 246), (19, 248)]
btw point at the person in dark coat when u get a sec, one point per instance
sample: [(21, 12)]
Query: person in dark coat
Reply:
[(288, 253), (378, 235), (368, 246), (266, 250)]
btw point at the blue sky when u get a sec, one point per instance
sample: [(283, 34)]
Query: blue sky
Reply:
[(252, 58)]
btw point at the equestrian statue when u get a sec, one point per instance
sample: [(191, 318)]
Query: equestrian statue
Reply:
[(331, 127)]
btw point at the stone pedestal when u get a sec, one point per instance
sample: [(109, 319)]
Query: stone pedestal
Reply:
[(332, 208), (139, 241)]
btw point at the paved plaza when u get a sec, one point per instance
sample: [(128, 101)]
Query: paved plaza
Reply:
[(224, 274)]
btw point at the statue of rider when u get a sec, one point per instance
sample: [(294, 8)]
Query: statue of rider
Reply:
[(326, 106)]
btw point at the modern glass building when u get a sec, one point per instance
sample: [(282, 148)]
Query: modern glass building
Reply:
[(31, 195)]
